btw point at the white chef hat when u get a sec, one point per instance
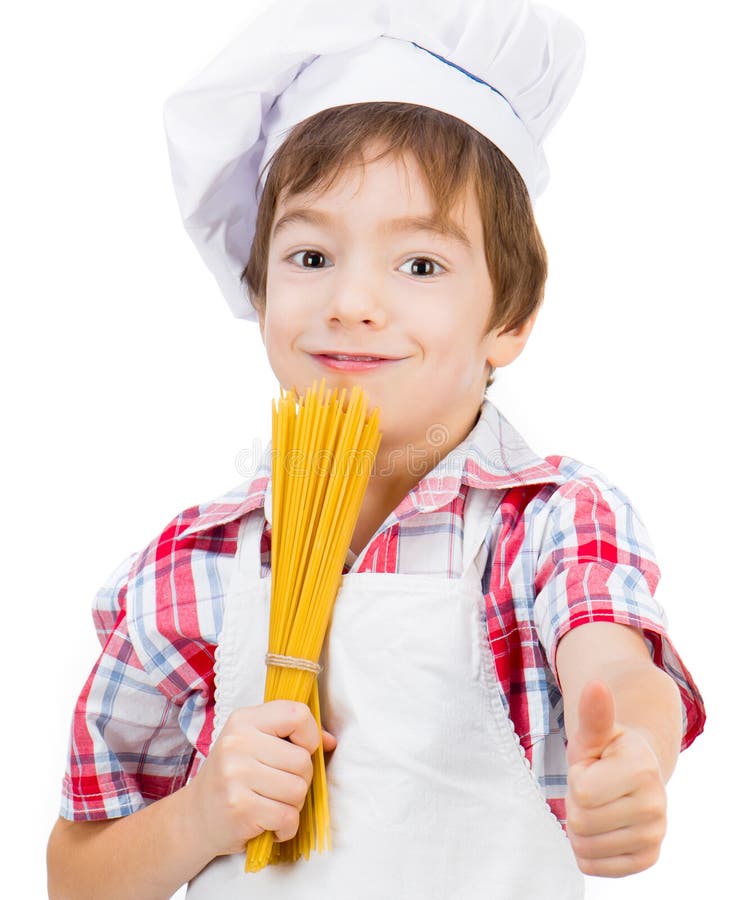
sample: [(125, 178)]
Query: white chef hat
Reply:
[(506, 67)]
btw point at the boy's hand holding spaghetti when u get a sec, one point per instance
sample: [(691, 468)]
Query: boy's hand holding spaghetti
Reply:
[(316, 503), (257, 775)]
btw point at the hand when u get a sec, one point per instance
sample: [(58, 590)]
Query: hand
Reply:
[(616, 799), (254, 780)]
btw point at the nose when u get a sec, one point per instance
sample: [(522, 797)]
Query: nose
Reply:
[(356, 299)]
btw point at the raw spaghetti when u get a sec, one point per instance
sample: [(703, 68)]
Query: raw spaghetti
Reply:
[(322, 457)]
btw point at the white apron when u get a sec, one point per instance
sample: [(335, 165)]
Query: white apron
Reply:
[(429, 793)]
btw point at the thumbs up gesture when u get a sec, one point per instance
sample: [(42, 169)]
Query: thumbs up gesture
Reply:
[(616, 798)]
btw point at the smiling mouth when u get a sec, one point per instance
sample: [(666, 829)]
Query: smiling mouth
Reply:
[(353, 361), (357, 357), (343, 357)]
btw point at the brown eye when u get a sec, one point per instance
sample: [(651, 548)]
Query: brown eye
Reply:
[(425, 268), (422, 267), (309, 259), (309, 256)]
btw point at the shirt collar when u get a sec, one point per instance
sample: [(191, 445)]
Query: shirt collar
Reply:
[(494, 456)]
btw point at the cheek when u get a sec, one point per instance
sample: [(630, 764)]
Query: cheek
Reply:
[(450, 343), (281, 322), (276, 342)]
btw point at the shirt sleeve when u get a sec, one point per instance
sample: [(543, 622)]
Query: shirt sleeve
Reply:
[(126, 745), (596, 564)]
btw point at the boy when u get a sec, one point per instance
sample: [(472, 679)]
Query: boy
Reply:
[(395, 231)]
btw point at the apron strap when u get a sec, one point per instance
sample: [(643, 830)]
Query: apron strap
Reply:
[(247, 563), (481, 507)]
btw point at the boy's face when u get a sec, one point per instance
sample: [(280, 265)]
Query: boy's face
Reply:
[(351, 279)]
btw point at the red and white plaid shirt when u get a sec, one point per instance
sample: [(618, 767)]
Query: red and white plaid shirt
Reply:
[(566, 548)]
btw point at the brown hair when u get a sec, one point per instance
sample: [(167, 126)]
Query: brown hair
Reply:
[(451, 155)]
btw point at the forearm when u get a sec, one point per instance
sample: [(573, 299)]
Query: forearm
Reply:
[(647, 699), (147, 855)]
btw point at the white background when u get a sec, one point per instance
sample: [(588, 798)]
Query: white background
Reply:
[(115, 335)]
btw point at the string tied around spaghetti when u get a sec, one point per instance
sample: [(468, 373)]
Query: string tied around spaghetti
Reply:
[(292, 662)]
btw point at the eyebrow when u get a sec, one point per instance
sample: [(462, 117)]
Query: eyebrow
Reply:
[(392, 226)]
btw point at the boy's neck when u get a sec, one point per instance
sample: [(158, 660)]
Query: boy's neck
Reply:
[(397, 470)]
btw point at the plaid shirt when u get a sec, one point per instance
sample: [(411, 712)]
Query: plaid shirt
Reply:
[(566, 548)]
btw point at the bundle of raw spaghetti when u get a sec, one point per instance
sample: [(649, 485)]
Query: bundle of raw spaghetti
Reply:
[(322, 458)]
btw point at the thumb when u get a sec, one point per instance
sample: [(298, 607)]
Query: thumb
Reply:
[(329, 741), (596, 725)]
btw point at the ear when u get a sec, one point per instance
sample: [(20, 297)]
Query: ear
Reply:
[(506, 346)]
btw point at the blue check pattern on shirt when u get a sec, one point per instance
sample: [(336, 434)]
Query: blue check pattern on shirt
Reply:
[(566, 548)]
